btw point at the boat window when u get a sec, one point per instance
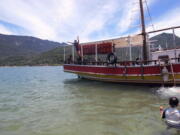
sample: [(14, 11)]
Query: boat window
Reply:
[(163, 57), (179, 58)]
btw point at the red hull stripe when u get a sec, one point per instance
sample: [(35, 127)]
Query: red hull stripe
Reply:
[(120, 70), (113, 70)]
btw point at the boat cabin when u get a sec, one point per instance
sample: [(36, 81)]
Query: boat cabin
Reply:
[(166, 54)]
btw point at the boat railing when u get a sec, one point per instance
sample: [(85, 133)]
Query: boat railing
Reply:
[(127, 63)]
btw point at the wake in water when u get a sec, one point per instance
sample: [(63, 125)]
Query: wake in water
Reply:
[(165, 92)]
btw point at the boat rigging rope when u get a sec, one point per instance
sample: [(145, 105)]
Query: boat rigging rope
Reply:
[(149, 15)]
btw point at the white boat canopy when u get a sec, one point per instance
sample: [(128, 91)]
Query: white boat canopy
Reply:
[(136, 40)]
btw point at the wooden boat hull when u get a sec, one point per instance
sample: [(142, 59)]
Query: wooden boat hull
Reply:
[(148, 74)]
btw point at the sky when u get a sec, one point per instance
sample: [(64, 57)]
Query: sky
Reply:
[(64, 20)]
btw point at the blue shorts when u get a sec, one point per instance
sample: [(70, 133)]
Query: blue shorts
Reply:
[(172, 125)]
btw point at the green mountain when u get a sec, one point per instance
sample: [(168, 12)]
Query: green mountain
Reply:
[(52, 57), (11, 45), (165, 40)]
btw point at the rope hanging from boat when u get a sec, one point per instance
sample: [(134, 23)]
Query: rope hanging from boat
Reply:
[(149, 15)]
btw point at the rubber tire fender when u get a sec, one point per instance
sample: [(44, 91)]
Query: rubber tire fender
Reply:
[(111, 58)]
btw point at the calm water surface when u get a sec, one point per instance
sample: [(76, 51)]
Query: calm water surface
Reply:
[(47, 101)]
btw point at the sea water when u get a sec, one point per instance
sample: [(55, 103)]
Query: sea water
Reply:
[(47, 101)]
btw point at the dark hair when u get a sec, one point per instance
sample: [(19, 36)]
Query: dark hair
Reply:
[(173, 101)]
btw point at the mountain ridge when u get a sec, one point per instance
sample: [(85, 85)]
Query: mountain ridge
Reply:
[(13, 45), (165, 40)]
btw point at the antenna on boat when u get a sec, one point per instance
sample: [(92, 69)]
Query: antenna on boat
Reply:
[(143, 31)]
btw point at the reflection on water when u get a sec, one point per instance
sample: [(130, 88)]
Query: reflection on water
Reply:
[(47, 101)]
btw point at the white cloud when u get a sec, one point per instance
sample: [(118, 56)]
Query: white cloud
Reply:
[(131, 15), (63, 20), (99, 18), (128, 16), (59, 19), (40, 19), (169, 19), (4, 30)]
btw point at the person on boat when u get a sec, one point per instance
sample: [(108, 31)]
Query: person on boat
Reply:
[(77, 46), (70, 59), (165, 74), (138, 61), (171, 115)]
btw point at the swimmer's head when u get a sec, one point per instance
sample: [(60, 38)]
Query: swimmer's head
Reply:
[(173, 101)]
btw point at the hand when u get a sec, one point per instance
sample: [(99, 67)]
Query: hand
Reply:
[(161, 108)]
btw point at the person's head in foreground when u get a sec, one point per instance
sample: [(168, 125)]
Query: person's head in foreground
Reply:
[(173, 102)]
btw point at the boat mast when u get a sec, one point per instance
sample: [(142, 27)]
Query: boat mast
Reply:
[(143, 31)]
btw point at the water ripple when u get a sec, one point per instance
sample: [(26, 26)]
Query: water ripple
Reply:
[(47, 101)]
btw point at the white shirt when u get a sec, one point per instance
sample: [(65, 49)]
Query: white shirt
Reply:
[(172, 116)]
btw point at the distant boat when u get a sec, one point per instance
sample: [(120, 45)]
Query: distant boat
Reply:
[(160, 67)]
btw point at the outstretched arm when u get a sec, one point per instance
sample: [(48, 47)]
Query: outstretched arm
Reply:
[(162, 112), (161, 109)]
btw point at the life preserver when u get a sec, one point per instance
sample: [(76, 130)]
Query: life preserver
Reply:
[(111, 58)]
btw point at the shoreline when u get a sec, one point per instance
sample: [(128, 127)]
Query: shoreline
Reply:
[(33, 65)]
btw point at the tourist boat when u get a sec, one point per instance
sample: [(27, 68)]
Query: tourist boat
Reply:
[(160, 67)]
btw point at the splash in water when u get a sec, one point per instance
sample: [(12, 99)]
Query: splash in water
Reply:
[(165, 92)]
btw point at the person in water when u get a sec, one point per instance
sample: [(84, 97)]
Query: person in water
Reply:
[(171, 115)]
